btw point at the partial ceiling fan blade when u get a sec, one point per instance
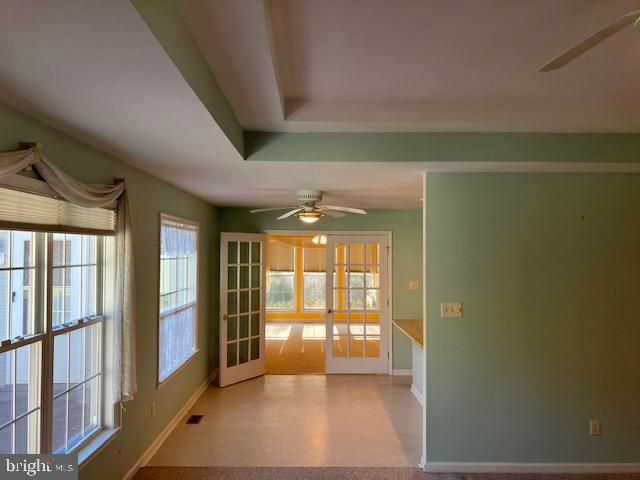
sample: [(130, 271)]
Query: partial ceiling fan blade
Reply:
[(343, 209), (591, 41), (288, 214), (333, 213), (258, 210)]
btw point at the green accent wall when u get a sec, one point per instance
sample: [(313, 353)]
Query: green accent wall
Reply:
[(148, 197), (406, 228), (546, 266), (442, 147), (166, 24)]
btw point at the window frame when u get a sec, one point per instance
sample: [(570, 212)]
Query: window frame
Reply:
[(45, 333), (196, 340), (305, 308)]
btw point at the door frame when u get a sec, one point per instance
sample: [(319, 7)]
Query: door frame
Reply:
[(389, 279)]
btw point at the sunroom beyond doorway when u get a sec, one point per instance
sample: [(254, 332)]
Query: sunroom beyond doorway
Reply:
[(296, 303)]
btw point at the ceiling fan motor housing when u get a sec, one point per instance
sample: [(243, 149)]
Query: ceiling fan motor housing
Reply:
[(309, 197)]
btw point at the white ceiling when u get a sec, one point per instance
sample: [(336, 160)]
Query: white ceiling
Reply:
[(415, 65), (92, 68)]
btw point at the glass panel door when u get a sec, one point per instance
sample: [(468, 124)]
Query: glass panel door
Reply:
[(242, 306), (357, 316)]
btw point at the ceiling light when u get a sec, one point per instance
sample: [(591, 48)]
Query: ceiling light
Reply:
[(309, 217), (319, 240)]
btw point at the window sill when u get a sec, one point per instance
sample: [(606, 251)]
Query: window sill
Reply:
[(95, 446)]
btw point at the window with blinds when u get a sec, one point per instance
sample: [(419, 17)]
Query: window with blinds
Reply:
[(280, 276), (314, 265), (20, 210)]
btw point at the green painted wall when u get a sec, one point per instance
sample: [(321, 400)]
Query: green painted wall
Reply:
[(442, 147), (406, 228), (148, 196), (547, 268), (166, 24)]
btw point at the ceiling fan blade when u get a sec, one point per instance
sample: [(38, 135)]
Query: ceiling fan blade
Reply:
[(258, 210), (288, 214), (333, 213), (343, 209), (591, 41)]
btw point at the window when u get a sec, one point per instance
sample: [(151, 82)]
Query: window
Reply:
[(71, 277), (314, 265), (280, 276), (178, 293)]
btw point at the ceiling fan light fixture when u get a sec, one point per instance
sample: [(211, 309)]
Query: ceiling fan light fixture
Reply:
[(309, 217)]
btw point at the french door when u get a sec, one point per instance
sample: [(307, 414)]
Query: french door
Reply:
[(357, 322), (242, 306)]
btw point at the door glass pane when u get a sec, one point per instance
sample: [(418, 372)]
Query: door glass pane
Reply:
[(255, 348), (244, 276), (255, 300), (372, 343), (356, 279), (232, 354), (244, 326), (232, 328), (255, 252), (244, 301), (232, 252), (356, 346), (232, 303), (372, 299), (356, 253), (244, 352), (255, 324), (244, 252), (356, 299), (340, 346), (256, 278), (232, 278), (373, 253)]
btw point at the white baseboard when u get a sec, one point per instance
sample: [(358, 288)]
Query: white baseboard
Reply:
[(471, 467), (402, 371), (417, 394), (157, 443)]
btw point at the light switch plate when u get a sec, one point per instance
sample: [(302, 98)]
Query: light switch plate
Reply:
[(413, 285), (594, 428), (451, 309)]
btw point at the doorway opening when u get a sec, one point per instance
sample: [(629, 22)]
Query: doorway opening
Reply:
[(303, 303)]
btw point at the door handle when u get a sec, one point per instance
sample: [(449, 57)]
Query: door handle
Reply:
[(329, 311), (225, 317)]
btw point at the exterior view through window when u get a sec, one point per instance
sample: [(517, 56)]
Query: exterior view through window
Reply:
[(67, 268), (178, 293)]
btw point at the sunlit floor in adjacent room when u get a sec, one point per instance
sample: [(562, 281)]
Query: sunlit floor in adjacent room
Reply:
[(301, 420), (299, 348)]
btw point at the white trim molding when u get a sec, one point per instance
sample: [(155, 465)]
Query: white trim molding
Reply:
[(166, 431), (403, 372), (482, 467), (418, 394)]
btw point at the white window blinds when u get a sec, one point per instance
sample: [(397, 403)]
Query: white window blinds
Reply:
[(21, 210), (281, 256), (314, 259)]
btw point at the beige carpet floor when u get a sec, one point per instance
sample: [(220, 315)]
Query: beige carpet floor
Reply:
[(344, 473)]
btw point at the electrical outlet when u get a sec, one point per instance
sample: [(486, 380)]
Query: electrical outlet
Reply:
[(413, 285), (594, 428), (153, 409), (451, 309)]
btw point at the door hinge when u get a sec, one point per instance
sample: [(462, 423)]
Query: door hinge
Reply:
[(387, 354), (387, 302)]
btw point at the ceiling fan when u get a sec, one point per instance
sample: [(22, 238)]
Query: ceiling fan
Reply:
[(593, 40), (308, 210)]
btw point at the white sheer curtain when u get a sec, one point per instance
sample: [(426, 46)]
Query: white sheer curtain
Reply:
[(95, 196)]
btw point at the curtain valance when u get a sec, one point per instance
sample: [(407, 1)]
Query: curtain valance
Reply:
[(96, 196)]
